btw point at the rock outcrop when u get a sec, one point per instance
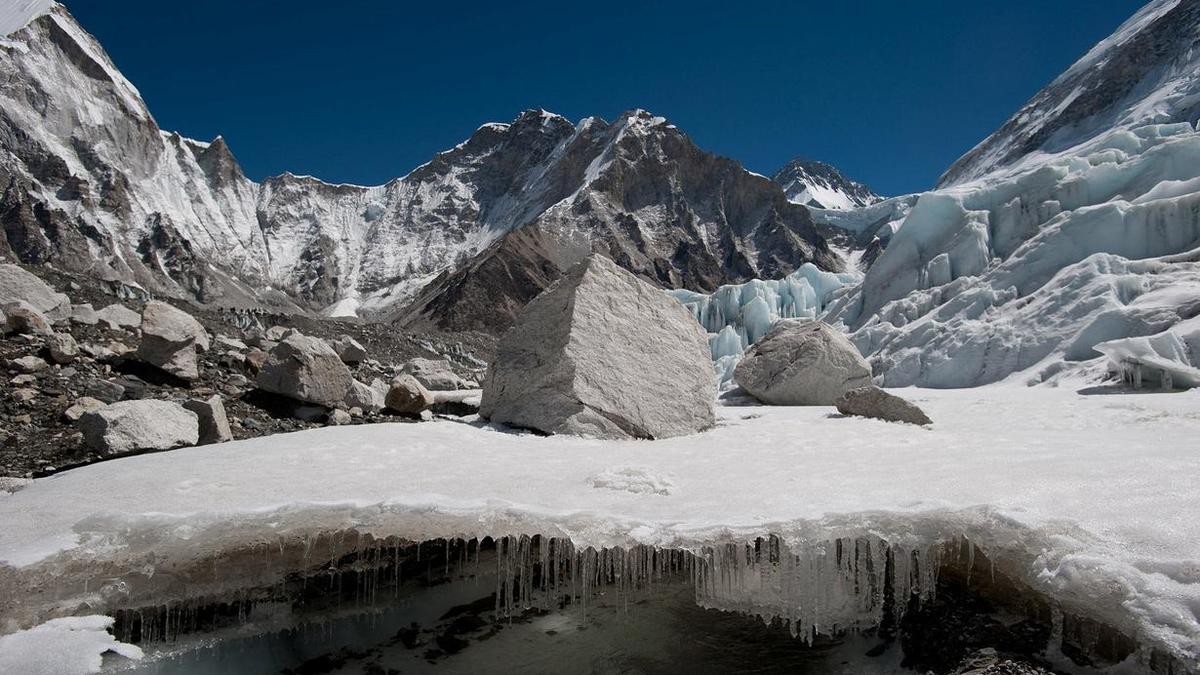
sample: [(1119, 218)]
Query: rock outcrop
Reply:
[(170, 338), (307, 369), (602, 353), (802, 362), (134, 426), (874, 402)]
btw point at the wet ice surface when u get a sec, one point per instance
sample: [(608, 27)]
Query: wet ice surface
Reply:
[(1096, 492)]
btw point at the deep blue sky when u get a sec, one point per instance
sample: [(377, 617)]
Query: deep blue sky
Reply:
[(356, 91)]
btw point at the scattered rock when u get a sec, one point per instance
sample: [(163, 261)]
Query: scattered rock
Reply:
[(170, 338), (306, 369), (19, 286), (226, 342), (255, 360), (84, 315), (105, 390), (23, 380), (802, 362), (27, 364), (117, 316), (24, 318), (408, 396), (214, 424), (132, 426), (338, 417), (81, 407), (24, 395), (63, 348), (874, 402), (349, 350), (275, 333), (602, 353), (365, 397), (435, 374)]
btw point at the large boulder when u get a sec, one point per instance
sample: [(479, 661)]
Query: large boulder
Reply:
[(875, 402), (133, 426), (434, 374), (22, 317), (17, 285), (307, 369), (365, 397), (802, 362), (170, 338), (602, 353), (214, 423), (408, 396)]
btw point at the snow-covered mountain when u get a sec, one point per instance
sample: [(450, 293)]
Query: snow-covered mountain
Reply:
[(1070, 233), (822, 186), (89, 181), (1147, 72)]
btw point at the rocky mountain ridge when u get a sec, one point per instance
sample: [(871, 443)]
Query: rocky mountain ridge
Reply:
[(822, 186), (89, 182)]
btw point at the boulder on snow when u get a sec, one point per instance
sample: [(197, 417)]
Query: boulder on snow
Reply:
[(408, 396), (133, 426), (214, 423), (602, 353), (118, 316), (63, 348), (170, 338), (434, 374), (802, 362), (307, 369), (349, 350), (17, 285), (23, 317), (874, 402)]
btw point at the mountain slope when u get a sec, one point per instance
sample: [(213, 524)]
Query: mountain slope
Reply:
[(1147, 72), (89, 181), (822, 186)]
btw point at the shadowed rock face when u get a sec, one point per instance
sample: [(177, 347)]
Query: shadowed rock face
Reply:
[(89, 182), (602, 354)]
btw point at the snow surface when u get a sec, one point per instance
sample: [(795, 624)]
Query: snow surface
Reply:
[(1095, 494), (64, 646), (16, 14)]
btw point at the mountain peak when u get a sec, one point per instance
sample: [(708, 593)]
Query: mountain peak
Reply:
[(822, 186)]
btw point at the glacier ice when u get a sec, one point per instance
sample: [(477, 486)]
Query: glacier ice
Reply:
[(1170, 359), (738, 315), (72, 645)]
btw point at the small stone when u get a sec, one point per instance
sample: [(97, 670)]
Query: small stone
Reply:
[(84, 315), (255, 359), (356, 412), (105, 390), (63, 348), (23, 380), (408, 396), (24, 395), (214, 424), (81, 407), (338, 417), (275, 333), (27, 364), (226, 342)]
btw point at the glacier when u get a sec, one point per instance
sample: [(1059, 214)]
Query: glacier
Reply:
[(737, 315), (1077, 506)]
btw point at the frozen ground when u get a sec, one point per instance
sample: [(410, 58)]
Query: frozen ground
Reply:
[(1094, 495)]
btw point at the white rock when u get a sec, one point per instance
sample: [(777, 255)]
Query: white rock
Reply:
[(84, 315), (132, 426), (602, 353), (802, 362)]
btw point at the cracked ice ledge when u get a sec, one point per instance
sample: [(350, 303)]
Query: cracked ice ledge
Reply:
[(1090, 499)]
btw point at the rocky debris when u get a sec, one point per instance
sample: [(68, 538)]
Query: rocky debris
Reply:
[(25, 318), (338, 417), (602, 353), (307, 369), (214, 424), (63, 348), (105, 390), (255, 359), (988, 662), (349, 350), (407, 396), (24, 395), (19, 286), (874, 402), (23, 380), (275, 333), (134, 426), (228, 343), (435, 374), (802, 362), (84, 315), (170, 338), (27, 364), (117, 316), (81, 407)]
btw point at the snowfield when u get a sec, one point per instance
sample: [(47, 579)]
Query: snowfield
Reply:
[(1091, 499)]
